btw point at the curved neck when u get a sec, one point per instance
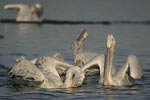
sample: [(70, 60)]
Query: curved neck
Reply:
[(97, 60), (69, 79), (108, 66), (78, 44), (76, 51)]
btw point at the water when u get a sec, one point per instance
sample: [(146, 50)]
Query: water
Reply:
[(35, 40)]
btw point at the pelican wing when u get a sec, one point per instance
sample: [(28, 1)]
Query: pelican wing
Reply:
[(132, 67), (26, 71), (16, 6), (61, 65), (136, 69)]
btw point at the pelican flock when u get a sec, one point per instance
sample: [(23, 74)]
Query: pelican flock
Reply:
[(46, 71), (26, 13)]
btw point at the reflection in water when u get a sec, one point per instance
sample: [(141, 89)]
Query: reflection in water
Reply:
[(109, 93), (25, 31), (78, 89), (24, 28), (114, 92)]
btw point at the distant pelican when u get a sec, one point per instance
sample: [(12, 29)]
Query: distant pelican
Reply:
[(132, 69), (26, 14), (44, 74)]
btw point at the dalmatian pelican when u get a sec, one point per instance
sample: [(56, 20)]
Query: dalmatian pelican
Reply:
[(26, 14), (132, 69), (80, 56)]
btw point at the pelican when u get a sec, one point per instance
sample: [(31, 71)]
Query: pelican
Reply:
[(132, 69), (81, 57), (26, 14), (43, 73)]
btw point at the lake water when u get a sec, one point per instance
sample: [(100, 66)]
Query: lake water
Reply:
[(35, 40)]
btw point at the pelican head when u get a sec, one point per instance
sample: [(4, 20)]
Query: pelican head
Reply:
[(38, 9), (78, 43), (58, 56), (74, 77), (42, 62), (111, 42)]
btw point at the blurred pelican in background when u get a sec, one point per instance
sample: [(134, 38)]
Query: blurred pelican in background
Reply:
[(26, 13)]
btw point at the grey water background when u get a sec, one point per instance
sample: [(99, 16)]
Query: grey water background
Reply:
[(35, 40)]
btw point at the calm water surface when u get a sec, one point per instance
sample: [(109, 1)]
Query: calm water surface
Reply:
[(35, 40)]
